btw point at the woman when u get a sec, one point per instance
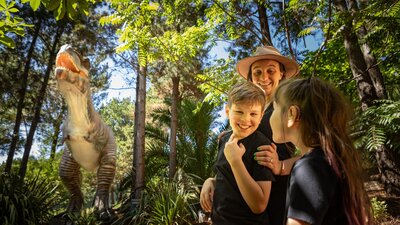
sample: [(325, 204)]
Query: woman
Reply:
[(266, 69)]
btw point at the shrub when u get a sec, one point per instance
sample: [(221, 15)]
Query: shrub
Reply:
[(29, 202), (379, 209)]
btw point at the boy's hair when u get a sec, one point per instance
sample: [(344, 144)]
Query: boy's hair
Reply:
[(246, 92), (324, 119)]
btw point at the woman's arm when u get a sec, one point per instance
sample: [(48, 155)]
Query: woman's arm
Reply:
[(207, 194), (268, 156)]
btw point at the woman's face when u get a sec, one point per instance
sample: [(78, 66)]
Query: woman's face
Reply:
[(266, 73)]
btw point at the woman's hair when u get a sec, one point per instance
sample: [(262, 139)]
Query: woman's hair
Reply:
[(324, 122), (246, 92), (281, 68)]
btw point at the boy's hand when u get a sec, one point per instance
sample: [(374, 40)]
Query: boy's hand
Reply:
[(267, 156), (234, 152)]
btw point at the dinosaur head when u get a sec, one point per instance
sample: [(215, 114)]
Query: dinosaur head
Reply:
[(72, 68)]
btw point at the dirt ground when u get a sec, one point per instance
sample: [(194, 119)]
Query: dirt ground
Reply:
[(375, 189)]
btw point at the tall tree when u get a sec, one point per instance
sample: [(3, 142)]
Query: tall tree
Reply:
[(40, 99), (370, 86), (22, 93)]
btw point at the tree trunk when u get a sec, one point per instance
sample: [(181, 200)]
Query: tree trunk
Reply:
[(174, 125), (372, 64), (39, 102), (365, 87), (264, 26), (370, 87), (388, 170), (22, 93), (140, 130), (57, 131)]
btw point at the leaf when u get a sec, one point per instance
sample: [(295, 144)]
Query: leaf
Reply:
[(54, 4), (395, 10), (7, 41), (3, 3), (20, 31), (60, 12), (13, 10), (71, 10), (84, 7), (34, 4)]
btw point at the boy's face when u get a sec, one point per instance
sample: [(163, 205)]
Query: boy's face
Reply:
[(244, 118)]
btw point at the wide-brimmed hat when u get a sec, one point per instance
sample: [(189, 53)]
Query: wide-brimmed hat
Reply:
[(268, 52)]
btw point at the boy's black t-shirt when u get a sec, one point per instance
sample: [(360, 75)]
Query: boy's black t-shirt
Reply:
[(314, 194), (277, 199), (229, 207)]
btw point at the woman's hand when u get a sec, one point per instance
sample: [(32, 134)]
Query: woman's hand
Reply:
[(267, 156), (207, 194)]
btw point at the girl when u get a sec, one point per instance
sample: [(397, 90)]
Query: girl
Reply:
[(325, 185)]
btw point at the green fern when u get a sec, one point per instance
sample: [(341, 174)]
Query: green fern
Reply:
[(379, 125)]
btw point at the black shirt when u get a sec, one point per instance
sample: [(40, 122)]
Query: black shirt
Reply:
[(277, 199), (229, 207), (314, 194)]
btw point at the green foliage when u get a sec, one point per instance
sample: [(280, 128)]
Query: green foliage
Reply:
[(164, 201), (196, 140), (171, 201), (379, 209), (119, 116), (216, 81), (379, 125), (86, 217), (10, 23), (30, 202)]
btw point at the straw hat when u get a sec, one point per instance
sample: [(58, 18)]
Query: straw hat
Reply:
[(268, 52)]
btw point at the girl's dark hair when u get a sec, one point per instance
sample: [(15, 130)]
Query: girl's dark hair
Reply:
[(281, 68), (324, 120)]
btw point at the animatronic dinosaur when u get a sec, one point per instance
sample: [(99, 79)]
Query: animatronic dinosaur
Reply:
[(89, 142)]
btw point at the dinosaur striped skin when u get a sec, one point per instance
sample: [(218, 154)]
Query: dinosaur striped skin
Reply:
[(88, 142)]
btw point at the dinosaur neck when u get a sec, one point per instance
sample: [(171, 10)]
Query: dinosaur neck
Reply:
[(80, 108)]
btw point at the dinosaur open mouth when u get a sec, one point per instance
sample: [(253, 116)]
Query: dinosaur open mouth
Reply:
[(64, 61)]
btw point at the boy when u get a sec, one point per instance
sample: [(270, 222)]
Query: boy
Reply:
[(242, 186)]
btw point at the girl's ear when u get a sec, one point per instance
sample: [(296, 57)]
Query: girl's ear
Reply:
[(293, 115)]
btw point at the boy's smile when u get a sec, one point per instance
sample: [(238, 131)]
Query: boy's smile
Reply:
[(244, 118)]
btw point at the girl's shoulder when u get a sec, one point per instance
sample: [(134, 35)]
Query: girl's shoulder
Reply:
[(314, 161)]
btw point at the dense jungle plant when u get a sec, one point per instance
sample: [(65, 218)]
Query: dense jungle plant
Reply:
[(30, 202), (164, 201), (172, 201), (379, 125)]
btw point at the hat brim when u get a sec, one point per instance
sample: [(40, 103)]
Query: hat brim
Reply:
[(291, 66)]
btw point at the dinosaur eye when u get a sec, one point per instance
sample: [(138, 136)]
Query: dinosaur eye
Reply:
[(86, 63)]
